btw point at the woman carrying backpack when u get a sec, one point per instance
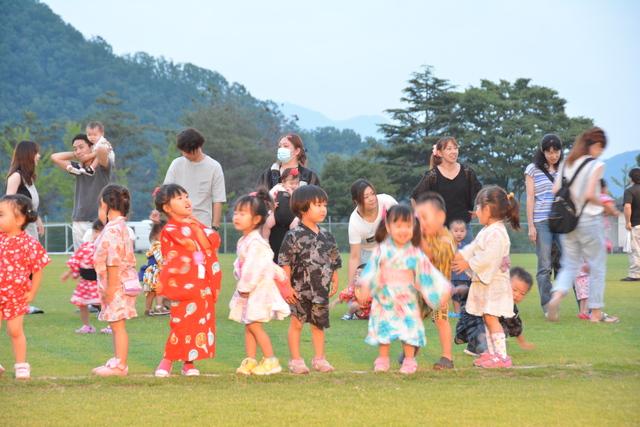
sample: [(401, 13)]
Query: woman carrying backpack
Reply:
[(586, 241), (539, 177)]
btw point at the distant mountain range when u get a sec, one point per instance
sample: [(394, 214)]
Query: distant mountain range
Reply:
[(309, 119)]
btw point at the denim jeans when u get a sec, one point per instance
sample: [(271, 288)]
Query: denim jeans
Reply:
[(585, 243), (544, 241)]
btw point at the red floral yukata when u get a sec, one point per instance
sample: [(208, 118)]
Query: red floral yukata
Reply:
[(86, 291), (20, 256), (190, 277)]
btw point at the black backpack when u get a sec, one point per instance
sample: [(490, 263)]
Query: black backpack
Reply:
[(564, 216)]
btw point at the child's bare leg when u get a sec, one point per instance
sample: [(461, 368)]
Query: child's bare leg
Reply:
[(295, 330), (444, 333), (496, 334), (15, 331), (353, 307), (120, 340), (84, 314), (148, 302), (583, 306), (409, 350), (317, 339), (261, 338), (383, 350), (250, 344), (456, 306)]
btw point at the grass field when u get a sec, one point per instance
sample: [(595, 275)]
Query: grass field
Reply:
[(579, 373)]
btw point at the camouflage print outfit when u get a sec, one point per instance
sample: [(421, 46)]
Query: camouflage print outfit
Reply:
[(312, 258)]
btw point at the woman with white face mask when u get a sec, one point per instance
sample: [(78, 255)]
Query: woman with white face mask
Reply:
[(290, 154)]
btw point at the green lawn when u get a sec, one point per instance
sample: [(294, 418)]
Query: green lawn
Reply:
[(579, 374)]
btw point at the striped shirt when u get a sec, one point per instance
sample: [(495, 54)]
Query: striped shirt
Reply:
[(543, 196)]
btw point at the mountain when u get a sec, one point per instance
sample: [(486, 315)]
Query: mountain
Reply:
[(615, 166), (365, 126)]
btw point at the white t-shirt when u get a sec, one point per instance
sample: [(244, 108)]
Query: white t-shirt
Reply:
[(362, 232), (579, 186), (203, 180)]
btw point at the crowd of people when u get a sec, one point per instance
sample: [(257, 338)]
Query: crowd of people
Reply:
[(408, 262)]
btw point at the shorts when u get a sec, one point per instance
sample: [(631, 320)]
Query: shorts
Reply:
[(456, 283), (79, 229), (307, 312), (12, 303)]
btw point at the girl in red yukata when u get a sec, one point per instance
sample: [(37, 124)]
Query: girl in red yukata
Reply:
[(81, 267), (22, 259), (190, 277), (115, 265)]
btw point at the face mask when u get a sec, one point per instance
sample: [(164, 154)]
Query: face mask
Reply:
[(284, 154)]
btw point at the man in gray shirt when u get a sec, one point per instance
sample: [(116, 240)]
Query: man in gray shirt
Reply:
[(201, 176), (88, 187)]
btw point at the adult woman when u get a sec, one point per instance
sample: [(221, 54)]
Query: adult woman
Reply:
[(21, 179), (291, 154), (586, 242), (538, 178), (456, 183), (363, 222)]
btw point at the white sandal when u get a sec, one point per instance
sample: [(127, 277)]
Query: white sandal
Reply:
[(22, 371)]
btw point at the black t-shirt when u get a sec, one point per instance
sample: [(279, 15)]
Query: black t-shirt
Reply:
[(632, 196), (454, 192)]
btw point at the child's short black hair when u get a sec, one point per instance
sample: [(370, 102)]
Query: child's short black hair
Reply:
[(96, 125), (523, 275), (116, 197), (166, 193), (458, 221), (395, 213), (97, 226), (303, 196), (156, 228), (432, 197), (189, 140), (22, 206), (258, 202)]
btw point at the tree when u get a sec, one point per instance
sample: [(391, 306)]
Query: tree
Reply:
[(430, 112), (502, 124)]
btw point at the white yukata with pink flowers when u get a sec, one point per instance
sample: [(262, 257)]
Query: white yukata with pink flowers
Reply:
[(257, 274), (488, 258)]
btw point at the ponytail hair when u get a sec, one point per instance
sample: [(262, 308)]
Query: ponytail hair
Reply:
[(259, 203), (399, 213), (442, 143), (117, 198), (22, 206), (502, 206)]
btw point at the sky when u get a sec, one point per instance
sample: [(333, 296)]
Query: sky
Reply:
[(351, 58)]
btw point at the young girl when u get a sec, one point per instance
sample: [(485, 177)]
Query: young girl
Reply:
[(487, 260), (151, 271), (81, 267), (396, 276), (348, 295), (289, 182), (257, 299), (21, 256), (190, 277), (115, 265)]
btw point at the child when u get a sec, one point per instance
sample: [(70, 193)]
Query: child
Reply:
[(487, 259), (438, 245), (460, 281), (356, 311), (22, 259), (581, 286), (397, 275), (95, 134), (289, 182), (115, 265), (190, 277), (309, 256), (257, 299), (81, 267), (151, 271), (470, 329)]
